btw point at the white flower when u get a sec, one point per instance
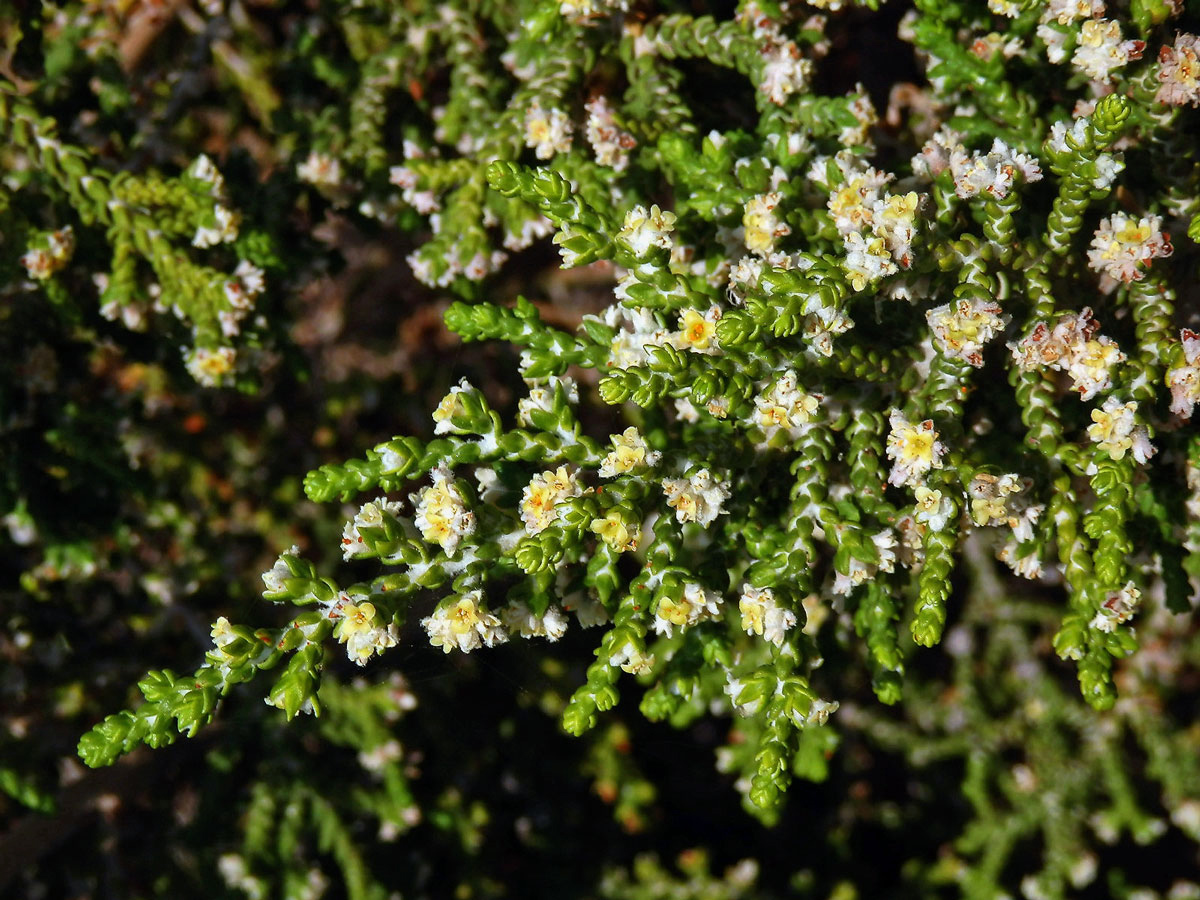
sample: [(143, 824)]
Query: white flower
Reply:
[(202, 169), (39, 264), (1121, 245), (1055, 40), (698, 330), (695, 604), (989, 497), (543, 493), (541, 398), (360, 629), (642, 230), (632, 660), (991, 173), (785, 406), (1116, 430), (1066, 140), (464, 624), (519, 618), (321, 170), (547, 132), (937, 152), (450, 406), (734, 688), (761, 225), (696, 499), (441, 514), (369, 515), (1090, 365), (1108, 167), (1179, 72), (913, 449), (588, 611), (629, 452), (819, 712), (1071, 346), (636, 330), (210, 366), (988, 45), (223, 230), (895, 218), (1184, 380), (1028, 566), (933, 509), (222, 633), (762, 614), (1067, 11), (1101, 49), (784, 73), (274, 577), (1118, 607), (584, 12), (961, 329), (609, 142), (867, 260)]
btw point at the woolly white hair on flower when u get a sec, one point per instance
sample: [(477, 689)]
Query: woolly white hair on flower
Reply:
[(991, 173), (696, 499), (1101, 49), (630, 451), (1122, 246), (1116, 430), (913, 449), (543, 493), (464, 624), (762, 615), (695, 604), (642, 230), (1184, 380), (369, 515), (441, 513), (520, 619), (547, 131), (961, 329)]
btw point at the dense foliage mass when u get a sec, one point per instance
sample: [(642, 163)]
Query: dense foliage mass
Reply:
[(821, 403)]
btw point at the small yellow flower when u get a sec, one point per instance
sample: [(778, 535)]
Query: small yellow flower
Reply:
[(753, 614), (675, 612), (697, 330), (629, 451), (927, 500), (464, 616), (614, 532), (356, 619)]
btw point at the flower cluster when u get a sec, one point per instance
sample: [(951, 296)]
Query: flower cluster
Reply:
[(1116, 430), (791, 396), (961, 329), (1184, 380), (442, 514), (696, 498), (913, 448), (1122, 246), (1179, 72), (49, 254), (464, 624), (992, 173), (1071, 345)]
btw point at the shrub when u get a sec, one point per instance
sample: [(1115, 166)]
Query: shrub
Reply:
[(877, 439)]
